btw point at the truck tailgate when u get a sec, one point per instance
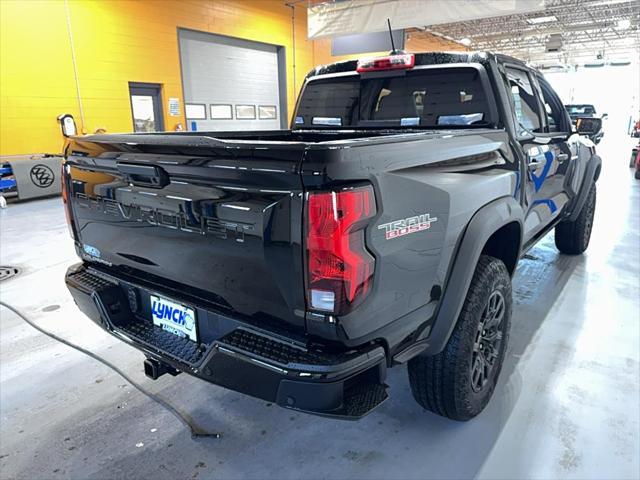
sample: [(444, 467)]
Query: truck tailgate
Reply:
[(224, 224)]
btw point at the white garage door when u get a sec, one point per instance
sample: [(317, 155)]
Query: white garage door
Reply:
[(231, 84)]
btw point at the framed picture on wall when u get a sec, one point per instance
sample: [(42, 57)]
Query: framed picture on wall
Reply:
[(267, 112), (220, 112), (245, 112)]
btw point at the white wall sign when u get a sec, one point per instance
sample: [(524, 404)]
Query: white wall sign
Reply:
[(174, 107)]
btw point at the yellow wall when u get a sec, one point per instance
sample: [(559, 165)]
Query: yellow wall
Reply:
[(116, 42), (122, 41), (36, 76)]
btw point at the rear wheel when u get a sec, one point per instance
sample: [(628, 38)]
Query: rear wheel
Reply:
[(573, 237), (458, 382)]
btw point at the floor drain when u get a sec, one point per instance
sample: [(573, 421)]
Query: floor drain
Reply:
[(8, 272)]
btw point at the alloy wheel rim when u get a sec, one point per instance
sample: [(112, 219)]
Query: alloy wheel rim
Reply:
[(486, 347)]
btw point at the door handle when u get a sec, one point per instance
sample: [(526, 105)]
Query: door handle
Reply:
[(150, 176), (561, 157), (534, 165)]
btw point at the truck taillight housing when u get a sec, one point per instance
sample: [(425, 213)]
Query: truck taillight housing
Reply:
[(339, 267), (66, 200)]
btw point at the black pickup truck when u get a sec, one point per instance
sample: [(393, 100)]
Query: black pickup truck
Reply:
[(578, 112), (383, 228)]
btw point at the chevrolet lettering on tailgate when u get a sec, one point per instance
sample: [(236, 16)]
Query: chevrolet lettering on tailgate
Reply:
[(192, 223)]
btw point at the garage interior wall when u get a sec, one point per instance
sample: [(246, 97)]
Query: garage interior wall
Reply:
[(230, 74), (120, 41)]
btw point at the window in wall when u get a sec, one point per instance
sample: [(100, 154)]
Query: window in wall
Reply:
[(143, 114), (220, 112), (267, 112), (524, 99), (245, 112), (195, 111)]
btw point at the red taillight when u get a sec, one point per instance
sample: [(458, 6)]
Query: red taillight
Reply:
[(390, 62), (65, 199), (339, 267)]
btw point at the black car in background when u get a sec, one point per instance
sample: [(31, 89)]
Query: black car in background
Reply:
[(586, 110)]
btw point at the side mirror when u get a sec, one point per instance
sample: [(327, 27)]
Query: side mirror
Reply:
[(68, 125), (588, 125), (605, 115)]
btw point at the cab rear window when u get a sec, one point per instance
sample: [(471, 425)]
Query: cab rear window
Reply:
[(581, 109), (435, 97)]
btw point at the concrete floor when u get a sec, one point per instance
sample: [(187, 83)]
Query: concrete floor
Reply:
[(567, 406)]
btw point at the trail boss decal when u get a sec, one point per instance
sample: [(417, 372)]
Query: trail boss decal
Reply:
[(409, 225)]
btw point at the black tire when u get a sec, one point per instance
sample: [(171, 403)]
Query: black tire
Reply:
[(448, 383), (637, 175), (573, 237)]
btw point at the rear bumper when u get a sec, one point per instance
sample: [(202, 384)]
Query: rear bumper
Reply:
[(235, 354)]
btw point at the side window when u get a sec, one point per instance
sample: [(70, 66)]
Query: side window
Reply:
[(553, 107), (524, 99)]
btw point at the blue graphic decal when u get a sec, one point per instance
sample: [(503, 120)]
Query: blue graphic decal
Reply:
[(90, 250), (538, 181)]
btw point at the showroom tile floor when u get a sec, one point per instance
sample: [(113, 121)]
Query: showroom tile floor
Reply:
[(567, 406)]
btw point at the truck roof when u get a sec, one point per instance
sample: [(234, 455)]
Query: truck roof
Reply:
[(423, 58)]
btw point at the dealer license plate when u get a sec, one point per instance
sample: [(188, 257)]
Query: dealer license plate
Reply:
[(174, 317)]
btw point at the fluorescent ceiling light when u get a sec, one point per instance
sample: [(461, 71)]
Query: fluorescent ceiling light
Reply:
[(537, 20), (624, 24), (466, 42), (607, 3)]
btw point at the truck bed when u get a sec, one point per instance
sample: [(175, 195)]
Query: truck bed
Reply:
[(221, 217), (285, 138)]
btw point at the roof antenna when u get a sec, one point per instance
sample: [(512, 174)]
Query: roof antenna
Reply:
[(393, 46)]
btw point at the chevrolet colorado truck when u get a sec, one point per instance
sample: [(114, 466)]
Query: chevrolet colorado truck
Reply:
[(382, 229)]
